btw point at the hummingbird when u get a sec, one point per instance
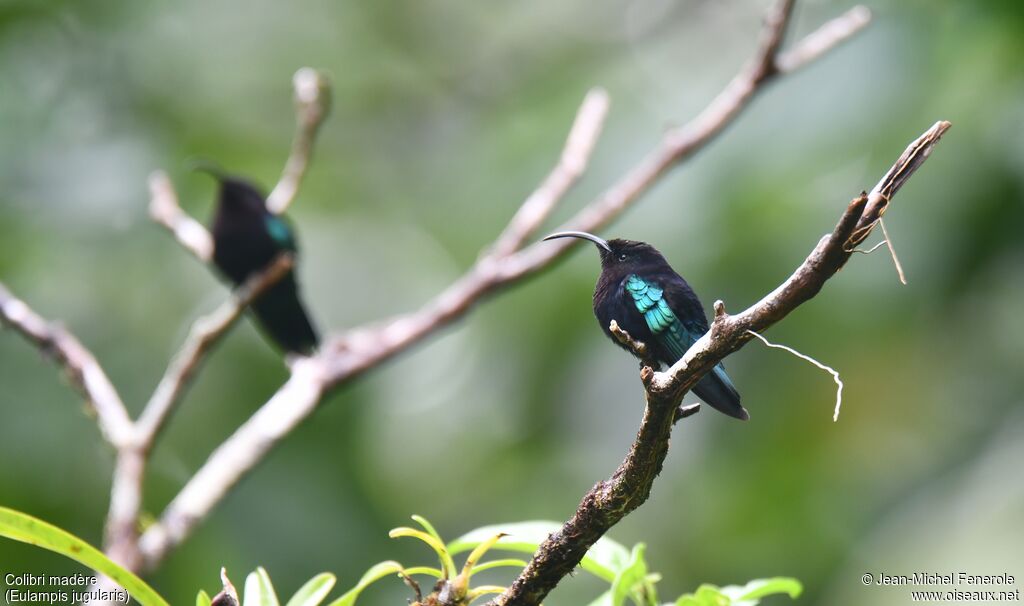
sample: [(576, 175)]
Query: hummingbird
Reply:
[(246, 238), (646, 297)]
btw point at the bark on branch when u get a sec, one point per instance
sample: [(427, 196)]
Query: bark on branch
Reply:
[(80, 366)]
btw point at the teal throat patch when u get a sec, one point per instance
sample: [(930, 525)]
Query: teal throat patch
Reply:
[(650, 302)]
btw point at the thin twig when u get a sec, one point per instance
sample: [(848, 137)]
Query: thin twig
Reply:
[(81, 368), (638, 348), (686, 410), (892, 252), (347, 356), (586, 129), (823, 39), (312, 104), (828, 369), (292, 403), (165, 210), (870, 250), (203, 335)]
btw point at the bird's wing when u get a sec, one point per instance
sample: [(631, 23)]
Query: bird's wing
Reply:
[(670, 332), (674, 336), (280, 231)]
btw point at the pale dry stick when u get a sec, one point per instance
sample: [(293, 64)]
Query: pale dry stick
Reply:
[(348, 356), (892, 252), (121, 528), (825, 367), (204, 334), (824, 39), (629, 487), (292, 403), (312, 101), (870, 250), (83, 371), (579, 145), (312, 104), (89, 379), (165, 210)]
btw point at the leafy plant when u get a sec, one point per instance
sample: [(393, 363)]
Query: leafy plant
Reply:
[(259, 591), (747, 595), (27, 529), (625, 570), (452, 585)]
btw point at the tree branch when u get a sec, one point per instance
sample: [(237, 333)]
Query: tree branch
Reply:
[(227, 464), (822, 40), (312, 104), (582, 139), (630, 485), (312, 100), (203, 335), (312, 96), (121, 529), (82, 370), (165, 210), (347, 356), (638, 348)]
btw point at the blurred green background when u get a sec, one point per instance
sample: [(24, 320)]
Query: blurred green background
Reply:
[(446, 115)]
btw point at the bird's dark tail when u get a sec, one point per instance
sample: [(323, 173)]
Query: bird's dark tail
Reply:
[(282, 317), (717, 390)]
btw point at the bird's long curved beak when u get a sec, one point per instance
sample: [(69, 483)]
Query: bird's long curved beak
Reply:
[(209, 167), (601, 242)]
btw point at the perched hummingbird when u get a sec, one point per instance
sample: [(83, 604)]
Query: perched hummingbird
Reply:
[(640, 291), (246, 238)]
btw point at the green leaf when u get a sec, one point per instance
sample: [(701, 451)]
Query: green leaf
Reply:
[(437, 573), (508, 562), (604, 560), (627, 580), (605, 599), (425, 523), (203, 598), (314, 591), (447, 564), (752, 592), (27, 529), (258, 589), (375, 573), (706, 595)]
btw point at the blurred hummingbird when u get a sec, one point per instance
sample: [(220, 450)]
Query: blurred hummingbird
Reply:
[(246, 238), (640, 291)]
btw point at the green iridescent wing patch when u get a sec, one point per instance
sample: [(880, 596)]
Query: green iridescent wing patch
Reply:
[(280, 232), (650, 302)]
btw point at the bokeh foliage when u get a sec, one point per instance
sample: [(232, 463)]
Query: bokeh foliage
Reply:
[(446, 115)]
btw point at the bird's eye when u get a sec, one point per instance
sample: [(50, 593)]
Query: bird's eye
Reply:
[(622, 257)]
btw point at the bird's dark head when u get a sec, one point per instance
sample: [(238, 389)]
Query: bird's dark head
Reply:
[(235, 194), (619, 255)]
